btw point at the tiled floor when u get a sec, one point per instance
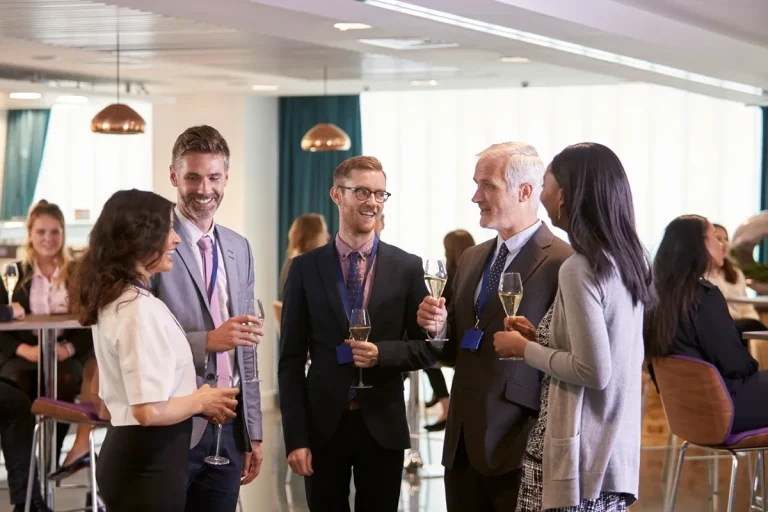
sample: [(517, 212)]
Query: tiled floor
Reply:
[(269, 493)]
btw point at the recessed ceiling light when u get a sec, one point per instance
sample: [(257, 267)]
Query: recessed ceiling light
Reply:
[(71, 100), (409, 43), (417, 83), (264, 87), (515, 60), (25, 95), (351, 26), (44, 57)]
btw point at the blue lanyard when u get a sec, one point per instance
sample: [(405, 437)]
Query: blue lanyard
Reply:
[(215, 269), (342, 285)]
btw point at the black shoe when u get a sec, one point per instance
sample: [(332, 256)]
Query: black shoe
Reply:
[(82, 462), (432, 402), (437, 426)]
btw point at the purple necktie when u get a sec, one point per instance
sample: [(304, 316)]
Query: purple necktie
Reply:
[(223, 370)]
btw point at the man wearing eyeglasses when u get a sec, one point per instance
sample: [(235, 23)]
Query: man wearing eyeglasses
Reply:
[(330, 427)]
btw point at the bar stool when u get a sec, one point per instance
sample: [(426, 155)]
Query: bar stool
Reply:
[(48, 409)]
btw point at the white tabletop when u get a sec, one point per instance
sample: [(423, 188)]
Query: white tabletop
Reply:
[(760, 300), (34, 322), (755, 335)]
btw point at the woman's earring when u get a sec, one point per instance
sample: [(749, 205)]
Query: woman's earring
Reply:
[(558, 214)]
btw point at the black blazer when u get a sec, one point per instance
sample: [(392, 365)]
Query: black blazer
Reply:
[(494, 403), (313, 319), (82, 339)]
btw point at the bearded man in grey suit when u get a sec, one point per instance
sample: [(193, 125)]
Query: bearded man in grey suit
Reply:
[(205, 291), (494, 403)]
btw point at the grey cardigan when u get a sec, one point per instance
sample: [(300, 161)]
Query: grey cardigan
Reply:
[(595, 357)]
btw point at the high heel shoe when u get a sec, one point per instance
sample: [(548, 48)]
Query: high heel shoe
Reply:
[(436, 426), (70, 469)]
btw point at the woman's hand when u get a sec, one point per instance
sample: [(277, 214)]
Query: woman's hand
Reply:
[(217, 403), (62, 351), (18, 311), (521, 325), (28, 352), (509, 344)]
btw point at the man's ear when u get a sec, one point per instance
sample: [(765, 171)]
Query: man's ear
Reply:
[(174, 177), (335, 195), (526, 192)]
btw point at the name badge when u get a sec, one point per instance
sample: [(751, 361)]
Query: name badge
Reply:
[(471, 339), (344, 354)]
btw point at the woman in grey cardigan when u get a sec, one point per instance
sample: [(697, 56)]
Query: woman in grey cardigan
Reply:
[(589, 426)]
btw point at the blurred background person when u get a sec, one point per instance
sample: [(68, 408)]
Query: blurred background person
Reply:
[(308, 232), (455, 243), (733, 285), (379, 225), (42, 290)]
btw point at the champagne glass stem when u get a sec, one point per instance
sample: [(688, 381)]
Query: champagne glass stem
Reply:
[(361, 377), (218, 438), (10, 297)]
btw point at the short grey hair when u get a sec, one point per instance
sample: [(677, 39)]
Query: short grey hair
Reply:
[(522, 164)]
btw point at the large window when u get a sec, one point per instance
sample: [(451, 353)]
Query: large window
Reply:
[(683, 152), (81, 169)]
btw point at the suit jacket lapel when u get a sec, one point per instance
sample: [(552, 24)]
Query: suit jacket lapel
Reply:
[(327, 265), (383, 272), (230, 267), (184, 251), (526, 261), (466, 300)]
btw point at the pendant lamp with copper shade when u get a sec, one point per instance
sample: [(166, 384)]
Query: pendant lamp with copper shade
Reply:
[(325, 136), (118, 119)]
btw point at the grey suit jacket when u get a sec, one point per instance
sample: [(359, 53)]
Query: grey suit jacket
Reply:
[(183, 291), (494, 403)]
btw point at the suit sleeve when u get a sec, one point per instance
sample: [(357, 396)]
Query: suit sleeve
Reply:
[(718, 338), (414, 353), (293, 358), (252, 390)]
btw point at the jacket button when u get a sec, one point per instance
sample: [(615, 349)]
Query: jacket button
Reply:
[(210, 376)]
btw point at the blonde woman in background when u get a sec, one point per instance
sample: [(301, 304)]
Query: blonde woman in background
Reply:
[(308, 232)]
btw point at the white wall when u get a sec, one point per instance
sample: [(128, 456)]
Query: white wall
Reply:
[(3, 135), (250, 126)]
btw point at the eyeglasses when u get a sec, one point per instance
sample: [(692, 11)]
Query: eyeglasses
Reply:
[(362, 194)]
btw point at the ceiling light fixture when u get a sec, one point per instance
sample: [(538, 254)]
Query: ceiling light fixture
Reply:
[(351, 26), (558, 44), (118, 119), (25, 95), (264, 88), (515, 60), (325, 136)]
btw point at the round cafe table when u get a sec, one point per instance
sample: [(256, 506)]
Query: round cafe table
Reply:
[(46, 325)]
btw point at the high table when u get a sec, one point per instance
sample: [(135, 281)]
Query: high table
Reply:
[(760, 300), (46, 384), (755, 335)]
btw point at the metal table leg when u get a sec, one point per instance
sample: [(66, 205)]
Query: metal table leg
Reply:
[(414, 465), (47, 382)]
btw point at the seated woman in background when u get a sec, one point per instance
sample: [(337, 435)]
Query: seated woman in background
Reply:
[(732, 283), (42, 290), (307, 232), (692, 317)]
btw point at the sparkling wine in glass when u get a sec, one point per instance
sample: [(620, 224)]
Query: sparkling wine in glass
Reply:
[(510, 294), (359, 330), (10, 279), (219, 460), (435, 277), (248, 309)]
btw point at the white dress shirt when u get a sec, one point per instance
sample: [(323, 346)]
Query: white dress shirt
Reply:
[(514, 245), (143, 355)]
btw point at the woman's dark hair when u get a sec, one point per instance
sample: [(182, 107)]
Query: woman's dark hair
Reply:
[(681, 260), (131, 230), (729, 269), (601, 217), (456, 242)]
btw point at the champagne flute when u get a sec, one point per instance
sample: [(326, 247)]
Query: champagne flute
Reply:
[(359, 330), (248, 309), (10, 278), (435, 278), (219, 460), (510, 294)]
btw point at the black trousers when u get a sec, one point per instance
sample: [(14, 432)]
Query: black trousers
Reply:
[(214, 488), (352, 450), (144, 468), (749, 411), (467, 490), (437, 381), (16, 430)]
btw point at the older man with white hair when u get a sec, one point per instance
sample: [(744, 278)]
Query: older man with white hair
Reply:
[(494, 403)]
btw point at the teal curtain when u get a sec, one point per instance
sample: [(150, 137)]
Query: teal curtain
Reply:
[(24, 146), (306, 178)]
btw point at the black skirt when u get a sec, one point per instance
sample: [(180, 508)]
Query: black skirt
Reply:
[(145, 468)]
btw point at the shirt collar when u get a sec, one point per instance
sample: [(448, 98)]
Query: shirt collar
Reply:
[(39, 273), (517, 241), (193, 232), (345, 250)]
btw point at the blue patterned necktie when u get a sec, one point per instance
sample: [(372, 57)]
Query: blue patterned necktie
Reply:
[(354, 283), (493, 279)]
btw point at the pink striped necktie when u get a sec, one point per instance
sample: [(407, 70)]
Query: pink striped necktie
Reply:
[(223, 369)]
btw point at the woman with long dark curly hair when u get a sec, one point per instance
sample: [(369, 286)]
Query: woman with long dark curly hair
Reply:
[(146, 373)]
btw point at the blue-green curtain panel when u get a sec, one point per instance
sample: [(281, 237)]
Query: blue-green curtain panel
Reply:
[(306, 178), (764, 175), (24, 147)]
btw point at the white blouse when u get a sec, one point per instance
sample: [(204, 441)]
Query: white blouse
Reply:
[(734, 291), (143, 355)]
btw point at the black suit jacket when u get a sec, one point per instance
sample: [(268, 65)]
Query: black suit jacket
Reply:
[(493, 402), (82, 339), (314, 319)]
